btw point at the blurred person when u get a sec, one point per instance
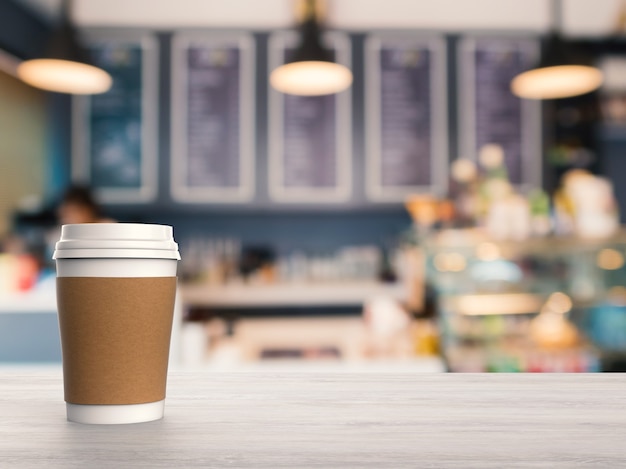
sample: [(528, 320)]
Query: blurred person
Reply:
[(78, 205)]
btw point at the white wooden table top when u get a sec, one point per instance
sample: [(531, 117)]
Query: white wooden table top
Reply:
[(337, 420)]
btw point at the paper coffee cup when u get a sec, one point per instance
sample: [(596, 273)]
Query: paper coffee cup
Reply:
[(116, 286)]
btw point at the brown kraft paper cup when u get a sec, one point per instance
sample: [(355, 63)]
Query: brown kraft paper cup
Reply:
[(115, 335), (116, 289)]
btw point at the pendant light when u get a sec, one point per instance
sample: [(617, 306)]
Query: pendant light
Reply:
[(311, 71), (560, 72), (65, 68)]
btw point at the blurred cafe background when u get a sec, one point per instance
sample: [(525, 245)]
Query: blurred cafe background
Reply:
[(371, 185)]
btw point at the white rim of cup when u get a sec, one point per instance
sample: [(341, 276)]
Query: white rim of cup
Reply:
[(127, 240)]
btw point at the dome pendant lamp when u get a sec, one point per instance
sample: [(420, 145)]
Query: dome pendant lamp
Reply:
[(311, 71), (560, 73), (65, 68)]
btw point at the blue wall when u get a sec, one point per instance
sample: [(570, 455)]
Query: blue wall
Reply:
[(315, 228), (30, 337), (315, 233), (262, 201)]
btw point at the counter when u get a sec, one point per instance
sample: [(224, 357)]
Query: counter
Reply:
[(29, 329), (331, 420), (285, 295)]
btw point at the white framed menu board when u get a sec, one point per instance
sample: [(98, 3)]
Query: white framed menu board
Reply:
[(406, 116), (491, 113), (114, 146), (213, 115), (310, 150)]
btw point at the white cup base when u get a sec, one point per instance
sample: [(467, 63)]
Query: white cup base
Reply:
[(115, 414)]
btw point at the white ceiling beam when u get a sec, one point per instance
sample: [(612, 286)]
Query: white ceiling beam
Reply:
[(168, 14), (590, 18), (448, 15), (580, 17)]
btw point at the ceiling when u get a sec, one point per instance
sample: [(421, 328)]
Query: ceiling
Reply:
[(580, 17)]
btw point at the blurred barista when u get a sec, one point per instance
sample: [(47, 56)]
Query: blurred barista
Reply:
[(78, 205)]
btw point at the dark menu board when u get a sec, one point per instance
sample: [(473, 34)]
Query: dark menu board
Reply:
[(212, 116), (117, 154), (493, 114), (405, 88), (214, 113), (405, 102), (309, 147)]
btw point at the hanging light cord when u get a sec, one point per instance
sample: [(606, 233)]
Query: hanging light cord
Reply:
[(556, 19)]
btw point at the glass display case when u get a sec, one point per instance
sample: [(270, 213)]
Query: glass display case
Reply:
[(555, 304)]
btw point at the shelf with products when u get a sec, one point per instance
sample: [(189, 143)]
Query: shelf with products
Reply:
[(539, 304), (513, 343), (221, 273), (266, 306)]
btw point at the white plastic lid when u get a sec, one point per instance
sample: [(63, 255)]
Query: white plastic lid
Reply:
[(134, 240)]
